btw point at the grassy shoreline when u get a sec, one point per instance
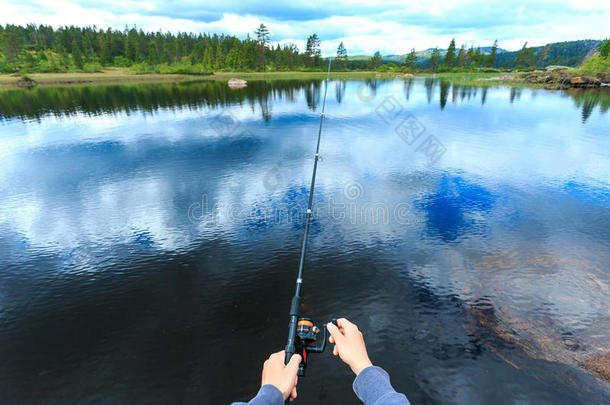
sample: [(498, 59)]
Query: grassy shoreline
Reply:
[(126, 76), (118, 75)]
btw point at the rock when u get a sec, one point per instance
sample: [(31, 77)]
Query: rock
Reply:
[(237, 83), (407, 75), (599, 365), (584, 81)]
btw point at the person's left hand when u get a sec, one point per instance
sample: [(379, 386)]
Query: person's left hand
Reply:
[(283, 377)]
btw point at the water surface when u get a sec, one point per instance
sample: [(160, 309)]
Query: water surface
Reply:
[(150, 234)]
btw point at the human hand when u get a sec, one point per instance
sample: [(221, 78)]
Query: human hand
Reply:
[(349, 345), (283, 377)]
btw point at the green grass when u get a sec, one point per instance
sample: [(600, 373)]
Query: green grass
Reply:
[(128, 75), (595, 64)]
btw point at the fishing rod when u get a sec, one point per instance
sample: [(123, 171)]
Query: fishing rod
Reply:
[(302, 333)]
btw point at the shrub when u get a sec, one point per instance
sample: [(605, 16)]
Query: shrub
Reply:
[(595, 64), (93, 67), (121, 61), (604, 49), (5, 65)]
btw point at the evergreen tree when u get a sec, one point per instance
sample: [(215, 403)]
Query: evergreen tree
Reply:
[(462, 57), (106, 47), (131, 45), (77, 55), (526, 57), (312, 50), (262, 35), (11, 43), (207, 58), (375, 61), (153, 54), (604, 49), (341, 57), (479, 57), (411, 59), (449, 61), (435, 60), (470, 56), (491, 58), (542, 56)]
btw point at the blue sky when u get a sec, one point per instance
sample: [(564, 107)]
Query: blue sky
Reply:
[(392, 27)]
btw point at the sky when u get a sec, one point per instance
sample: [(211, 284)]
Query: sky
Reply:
[(364, 26)]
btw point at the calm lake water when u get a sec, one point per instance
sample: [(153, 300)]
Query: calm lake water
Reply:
[(150, 235)]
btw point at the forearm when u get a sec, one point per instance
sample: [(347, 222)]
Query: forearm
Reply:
[(373, 387), (267, 395)]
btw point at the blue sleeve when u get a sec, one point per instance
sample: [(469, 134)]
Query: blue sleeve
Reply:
[(267, 395), (373, 387)]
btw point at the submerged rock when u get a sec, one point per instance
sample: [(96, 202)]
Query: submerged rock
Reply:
[(237, 83), (599, 365)]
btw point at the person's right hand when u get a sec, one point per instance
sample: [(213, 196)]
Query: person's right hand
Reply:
[(349, 345)]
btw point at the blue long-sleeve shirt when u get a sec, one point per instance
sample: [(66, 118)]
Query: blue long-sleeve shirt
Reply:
[(372, 386)]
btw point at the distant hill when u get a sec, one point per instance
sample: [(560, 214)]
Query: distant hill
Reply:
[(569, 53)]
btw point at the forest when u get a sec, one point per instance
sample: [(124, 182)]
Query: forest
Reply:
[(42, 48)]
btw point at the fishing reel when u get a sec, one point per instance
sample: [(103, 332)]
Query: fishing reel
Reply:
[(307, 337)]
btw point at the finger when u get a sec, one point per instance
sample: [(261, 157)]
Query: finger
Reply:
[(277, 356), (331, 339), (335, 351), (293, 394), (293, 365), (344, 323), (335, 333)]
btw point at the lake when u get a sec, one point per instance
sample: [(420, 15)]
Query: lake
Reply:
[(150, 236)]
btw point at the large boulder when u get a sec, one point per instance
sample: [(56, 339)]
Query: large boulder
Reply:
[(237, 83), (584, 81), (578, 80)]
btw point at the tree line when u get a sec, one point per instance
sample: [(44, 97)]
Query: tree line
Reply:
[(41, 48)]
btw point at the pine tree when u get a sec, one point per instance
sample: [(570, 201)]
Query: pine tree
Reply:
[(207, 58), (106, 47), (604, 49), (462, 57), (262, 35), (131, 45), (470, 56), (11, 44), (153, 54), (543, 55), (219, 59), (525, 57), (77, 55), (449, 61), (315, 50), (491, 58), (478, 57), (375, 61), (341, 56), (435, 59), (312, 50), (411, 59)]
